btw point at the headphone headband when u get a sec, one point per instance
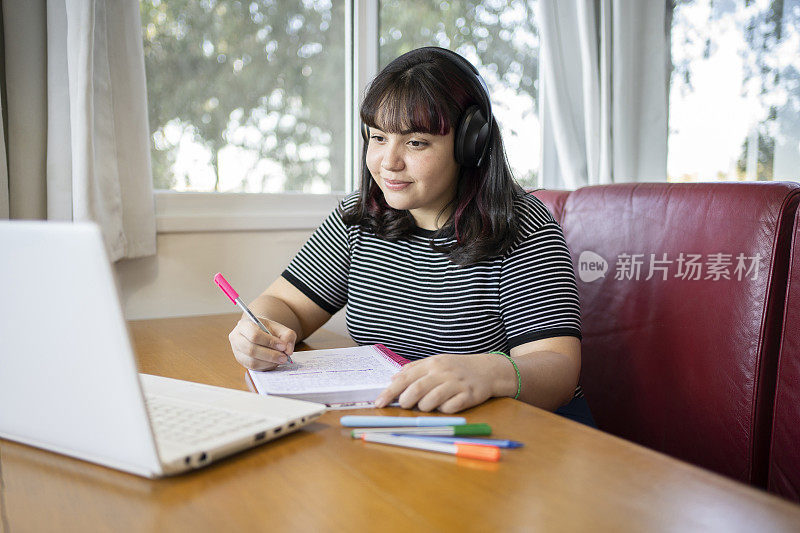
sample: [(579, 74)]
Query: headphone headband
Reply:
[(471, 72)]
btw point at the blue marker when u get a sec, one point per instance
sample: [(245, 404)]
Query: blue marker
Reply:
[(353, 421), (500, 443)]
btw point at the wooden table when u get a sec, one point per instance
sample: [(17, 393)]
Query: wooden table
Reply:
[(567, 477)]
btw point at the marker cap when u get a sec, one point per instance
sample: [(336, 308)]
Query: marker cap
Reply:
[(472, 429), (478, 451), (220, 280)]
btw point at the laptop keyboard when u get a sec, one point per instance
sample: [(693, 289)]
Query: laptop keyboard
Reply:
[(187, 423)]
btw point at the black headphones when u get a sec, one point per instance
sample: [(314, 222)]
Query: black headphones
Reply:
[(474, 129)]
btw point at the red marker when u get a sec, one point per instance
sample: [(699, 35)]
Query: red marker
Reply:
[(220, 280)]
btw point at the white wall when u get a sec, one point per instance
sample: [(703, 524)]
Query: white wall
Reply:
[(178, 281)]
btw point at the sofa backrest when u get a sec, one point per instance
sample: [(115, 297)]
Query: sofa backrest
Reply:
[(554, 200), (682, 289), (784, 457)]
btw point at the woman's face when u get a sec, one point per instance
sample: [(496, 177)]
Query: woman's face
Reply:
[(415, 171)]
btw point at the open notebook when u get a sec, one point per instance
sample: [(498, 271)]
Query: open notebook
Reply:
[(342, 377)]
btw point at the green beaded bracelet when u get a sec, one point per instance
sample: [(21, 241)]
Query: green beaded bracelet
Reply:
[(516, 369)]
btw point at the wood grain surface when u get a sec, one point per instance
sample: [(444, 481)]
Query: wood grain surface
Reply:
[(566, 477)]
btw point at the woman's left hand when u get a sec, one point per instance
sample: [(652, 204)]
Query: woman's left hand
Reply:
[(448, 382)]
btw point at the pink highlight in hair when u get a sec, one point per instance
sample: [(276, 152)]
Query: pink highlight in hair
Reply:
[(464, 201)]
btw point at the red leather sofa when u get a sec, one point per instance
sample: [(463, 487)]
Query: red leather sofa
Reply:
[(683, 290), (784, 457)]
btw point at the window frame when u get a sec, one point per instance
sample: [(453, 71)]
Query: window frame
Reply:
[(179, 212)]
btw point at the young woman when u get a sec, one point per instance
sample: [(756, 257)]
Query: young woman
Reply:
[(440, 255)]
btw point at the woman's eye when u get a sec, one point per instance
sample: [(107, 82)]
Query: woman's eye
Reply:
[(417, 144), (377, 138)]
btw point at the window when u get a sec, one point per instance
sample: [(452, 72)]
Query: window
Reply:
[(246, 96), (500, 38), (735, 90)]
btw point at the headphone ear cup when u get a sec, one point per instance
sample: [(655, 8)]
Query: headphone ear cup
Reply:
[(471, 138), (365, 132)]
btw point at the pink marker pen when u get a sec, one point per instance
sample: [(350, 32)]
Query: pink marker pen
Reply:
[(220, 280)]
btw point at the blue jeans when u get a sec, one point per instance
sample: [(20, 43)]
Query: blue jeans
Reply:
[(577, 410)]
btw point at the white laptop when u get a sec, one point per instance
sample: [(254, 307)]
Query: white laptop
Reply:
[(68, 378)]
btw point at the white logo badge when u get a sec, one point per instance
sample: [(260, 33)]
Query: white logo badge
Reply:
[(591, 266)]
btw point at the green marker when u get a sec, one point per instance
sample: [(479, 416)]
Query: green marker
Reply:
[(442, 431)]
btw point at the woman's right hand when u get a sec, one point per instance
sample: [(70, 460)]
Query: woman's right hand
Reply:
[(257, 350)]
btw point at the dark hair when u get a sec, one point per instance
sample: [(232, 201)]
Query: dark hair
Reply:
[(423, 91)]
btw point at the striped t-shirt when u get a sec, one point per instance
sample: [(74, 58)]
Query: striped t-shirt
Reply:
[(412, 299)]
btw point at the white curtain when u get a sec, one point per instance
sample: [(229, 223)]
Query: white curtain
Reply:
[(604, 91), (79, 65)]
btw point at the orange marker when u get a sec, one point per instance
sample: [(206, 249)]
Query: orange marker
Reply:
[(472, 451)]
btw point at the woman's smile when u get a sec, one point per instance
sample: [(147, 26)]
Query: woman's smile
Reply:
[(395, 185)]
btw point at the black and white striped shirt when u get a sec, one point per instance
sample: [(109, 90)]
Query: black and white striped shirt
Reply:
[(415, 301)]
